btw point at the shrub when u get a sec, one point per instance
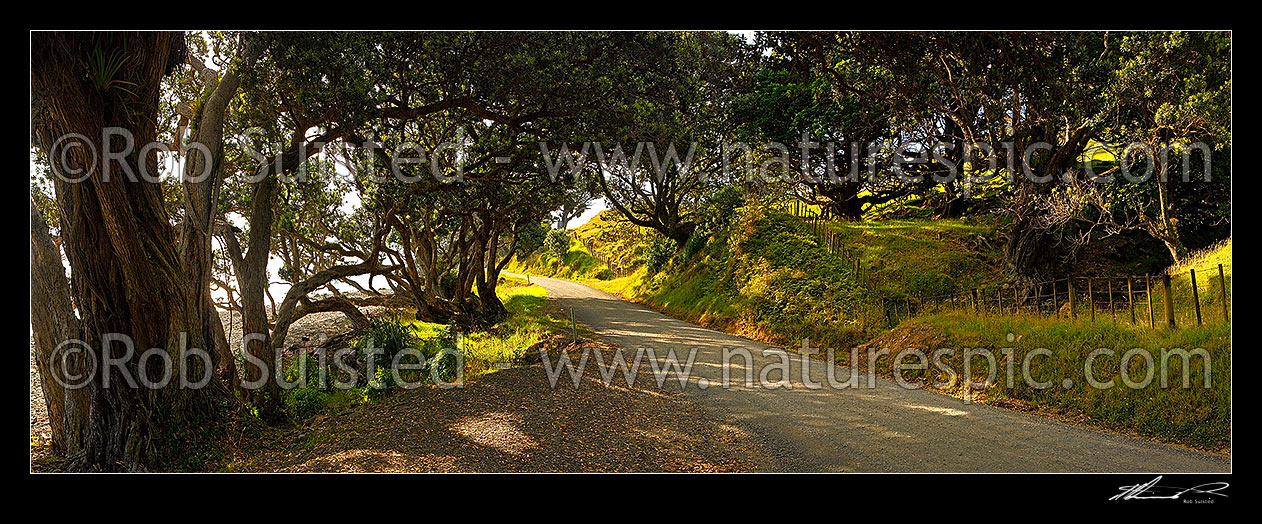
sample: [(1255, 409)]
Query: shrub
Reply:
[(385, 338), (531, 238), (308, 373), (697, 241), (389, 337), (449, 280), (305, 402), (659, 253), (721, 207), (558, 242), (439, 364)]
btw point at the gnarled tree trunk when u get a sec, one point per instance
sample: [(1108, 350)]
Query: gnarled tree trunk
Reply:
[(53, 322), (126, 273)]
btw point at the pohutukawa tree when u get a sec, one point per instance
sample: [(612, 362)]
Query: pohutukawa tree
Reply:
[(460, 169), (130, 272), (661, 147), (834, 136), (53, 321), (1033, 98), (300, 92), (1168, 112)]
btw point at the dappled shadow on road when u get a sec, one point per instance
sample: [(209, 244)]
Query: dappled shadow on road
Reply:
[(512, 420)]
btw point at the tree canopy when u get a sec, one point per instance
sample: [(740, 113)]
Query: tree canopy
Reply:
[(425, 161)]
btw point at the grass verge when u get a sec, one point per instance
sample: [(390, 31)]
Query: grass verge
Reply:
[(1165, 399)]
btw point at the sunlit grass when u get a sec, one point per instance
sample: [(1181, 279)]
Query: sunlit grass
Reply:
[(1196, 416), (1210, 289), (577, 264), (527, 323)]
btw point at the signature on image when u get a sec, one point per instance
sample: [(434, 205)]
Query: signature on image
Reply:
[(1151, 490)]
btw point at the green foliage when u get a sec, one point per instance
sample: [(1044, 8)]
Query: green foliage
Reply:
[(1174, 85), (317, 390), (307, 372), (717, 211), (527, 324), (720, 208), (659, 253), (696, 242), (103, 71), (696, 77), (577, 264), (616, 241), (442, 362), (558, 242), (531, 238), (391, 335), (303, 402), (386, 337)]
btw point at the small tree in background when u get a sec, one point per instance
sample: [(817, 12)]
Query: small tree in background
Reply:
[(558, 242), (531, 239), (659, 253)]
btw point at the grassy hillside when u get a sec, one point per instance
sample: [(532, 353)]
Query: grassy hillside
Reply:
[(577, 264), (1196, 416), (614, 239), (1209, 287)]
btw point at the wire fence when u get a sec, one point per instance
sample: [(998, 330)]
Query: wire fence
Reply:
[(829, 239), (1199, 296), (620, 266)]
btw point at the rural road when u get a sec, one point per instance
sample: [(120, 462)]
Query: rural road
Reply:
[(882, 429)]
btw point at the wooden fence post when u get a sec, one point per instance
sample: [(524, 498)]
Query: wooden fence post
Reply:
[(1222, 283), (1055, 300), (1165, 284), (1091, 297), (1073, 306), (1112, 312), (974, 296), (1152, 323), (1196, 297), (999, 299), (1130, 297)]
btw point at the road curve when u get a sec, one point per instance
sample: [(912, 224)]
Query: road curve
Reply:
[(885, 428)]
